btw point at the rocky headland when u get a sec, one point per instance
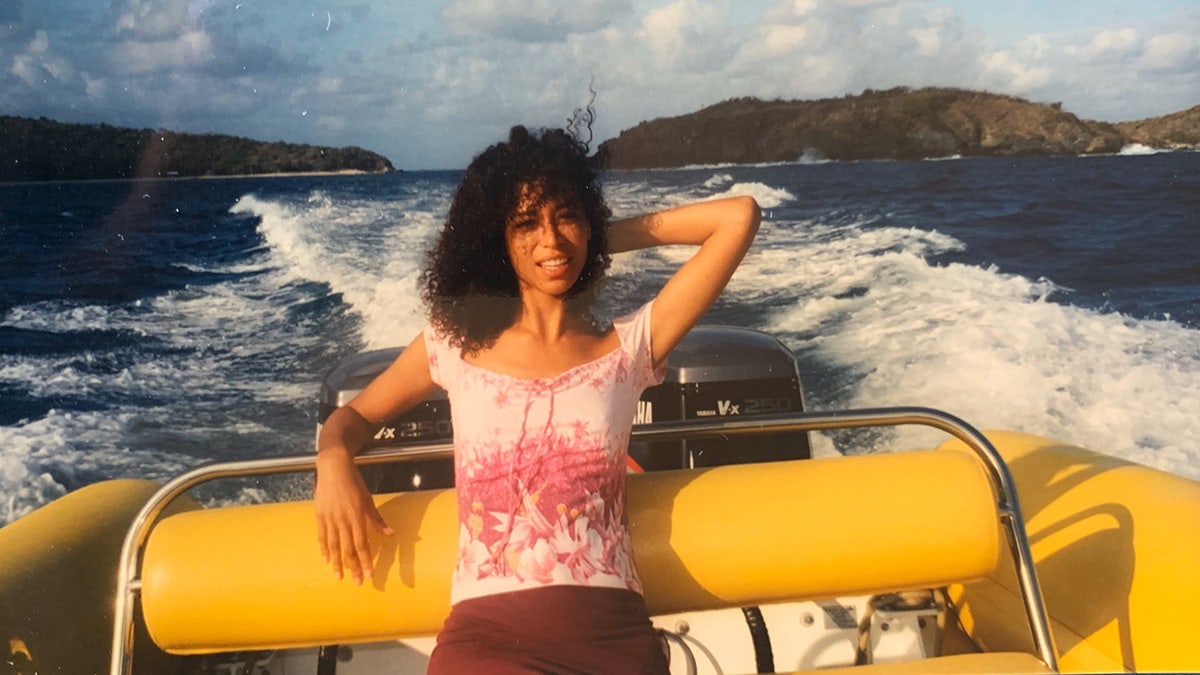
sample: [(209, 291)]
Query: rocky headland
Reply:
[(1177, 131), (43, 149), (898, 124)]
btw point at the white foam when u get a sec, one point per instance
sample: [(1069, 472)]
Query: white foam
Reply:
[(630, 198), (1140, 149), (368, 251), (59, 316), (201, 345), (767, 197), (718, 180), (812, 156), (634, 197), (809, 156), (987, 346), (71, 444)]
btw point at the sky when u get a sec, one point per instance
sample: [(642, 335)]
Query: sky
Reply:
[(430, 84)]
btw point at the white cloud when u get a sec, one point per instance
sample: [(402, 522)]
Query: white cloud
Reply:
[(531, 20), (933, 32), (783, 30), (26, 67), (804, 49), (1013, 75), (928, 39), (335, 122), (1111, 46), (39, 61), (803, 7), (40, 43), (468, 74), (94, 87), (790, 11), (59, 69), (185, 51), (783, 39), (689, 35), (1172, 51), (774, 42), (156, 20), (1035, 47), (446, 81), (160, 35)]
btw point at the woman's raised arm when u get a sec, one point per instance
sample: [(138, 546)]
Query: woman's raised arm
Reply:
[(723, 228)]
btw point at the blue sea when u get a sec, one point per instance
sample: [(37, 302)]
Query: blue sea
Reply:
[(150, 326)]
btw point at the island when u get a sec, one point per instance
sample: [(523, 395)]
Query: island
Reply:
[(45, 150), (896, 124)]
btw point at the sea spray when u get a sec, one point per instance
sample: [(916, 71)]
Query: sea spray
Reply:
[(981, 286)]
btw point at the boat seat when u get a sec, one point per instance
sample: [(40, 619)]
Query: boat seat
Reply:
[(251, 577)]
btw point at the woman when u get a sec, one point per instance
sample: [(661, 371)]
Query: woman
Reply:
[(542, 400)]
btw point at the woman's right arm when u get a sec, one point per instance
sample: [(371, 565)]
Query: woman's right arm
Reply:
[(344, 507)]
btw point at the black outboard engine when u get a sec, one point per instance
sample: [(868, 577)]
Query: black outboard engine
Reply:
[(428, 422), (716, 371), (728, 373)]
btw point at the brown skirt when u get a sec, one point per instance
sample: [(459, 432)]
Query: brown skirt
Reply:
[(557, 629)]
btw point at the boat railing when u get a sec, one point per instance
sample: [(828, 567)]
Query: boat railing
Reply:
[(1008, 510)]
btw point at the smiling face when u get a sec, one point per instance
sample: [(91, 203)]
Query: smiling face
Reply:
[(547, 242)]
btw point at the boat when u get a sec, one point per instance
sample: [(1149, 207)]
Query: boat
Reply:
[(996, 551)]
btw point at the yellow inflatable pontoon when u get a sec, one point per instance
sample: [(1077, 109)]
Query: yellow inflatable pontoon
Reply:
[(1115, 549)]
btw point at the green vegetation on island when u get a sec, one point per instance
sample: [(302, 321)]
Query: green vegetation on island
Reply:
[(42, 149), (899, 123)]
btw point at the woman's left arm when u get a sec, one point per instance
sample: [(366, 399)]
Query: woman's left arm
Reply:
[(723, 229)]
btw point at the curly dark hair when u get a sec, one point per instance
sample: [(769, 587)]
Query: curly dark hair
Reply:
[(468, 281)]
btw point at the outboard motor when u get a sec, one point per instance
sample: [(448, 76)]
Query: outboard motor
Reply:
[(716, 371), (729, 373), (428, 422)]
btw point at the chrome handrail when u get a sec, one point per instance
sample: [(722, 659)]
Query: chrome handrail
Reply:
[(129, 581)]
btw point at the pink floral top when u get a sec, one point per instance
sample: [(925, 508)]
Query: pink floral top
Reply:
[(540, 467)]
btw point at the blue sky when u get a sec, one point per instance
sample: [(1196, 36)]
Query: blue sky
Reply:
[(430, 84)]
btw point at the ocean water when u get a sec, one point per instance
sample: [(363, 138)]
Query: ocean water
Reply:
[(147, 327)]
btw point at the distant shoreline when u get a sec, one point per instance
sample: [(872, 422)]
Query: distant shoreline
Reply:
[(289, 174), (278, 174), (947, 158), (897, 124), (46, 150)]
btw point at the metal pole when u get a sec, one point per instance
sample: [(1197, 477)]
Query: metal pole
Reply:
[(128, 577)]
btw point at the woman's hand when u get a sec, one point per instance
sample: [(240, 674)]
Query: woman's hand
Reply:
[(345, 515)]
